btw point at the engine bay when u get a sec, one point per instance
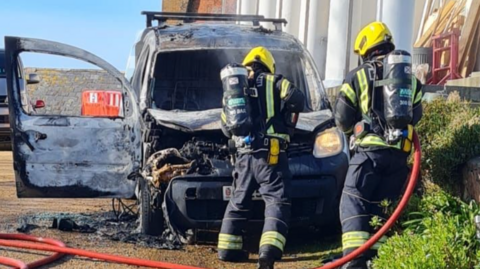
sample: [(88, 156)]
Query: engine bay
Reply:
[(170, 153)]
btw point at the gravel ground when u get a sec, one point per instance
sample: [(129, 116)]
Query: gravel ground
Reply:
[(305, 249)]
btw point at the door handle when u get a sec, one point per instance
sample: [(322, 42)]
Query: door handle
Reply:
[(25, 137)]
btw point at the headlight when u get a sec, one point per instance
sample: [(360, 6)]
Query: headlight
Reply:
[(328, 143)]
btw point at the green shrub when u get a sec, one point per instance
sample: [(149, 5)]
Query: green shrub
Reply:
[(450, 135), (437, 230), (441, 235)]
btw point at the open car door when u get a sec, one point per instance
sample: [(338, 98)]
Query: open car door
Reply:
[(71, 156)]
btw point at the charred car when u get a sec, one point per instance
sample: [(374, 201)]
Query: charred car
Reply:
[(167, 148)]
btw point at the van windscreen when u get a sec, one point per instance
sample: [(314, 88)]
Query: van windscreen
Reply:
[(190, 80)]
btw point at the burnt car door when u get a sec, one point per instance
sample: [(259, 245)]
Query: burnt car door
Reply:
[(72, 156)]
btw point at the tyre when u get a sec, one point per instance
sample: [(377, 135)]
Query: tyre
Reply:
[(150, 213)]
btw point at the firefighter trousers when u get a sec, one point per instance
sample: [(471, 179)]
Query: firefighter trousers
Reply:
[(252, 172), (372, 177)]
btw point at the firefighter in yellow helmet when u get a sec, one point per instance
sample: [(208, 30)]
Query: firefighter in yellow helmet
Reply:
[(378, 105), (261, 161)]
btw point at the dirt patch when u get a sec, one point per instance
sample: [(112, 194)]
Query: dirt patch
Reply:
[(305, 249)]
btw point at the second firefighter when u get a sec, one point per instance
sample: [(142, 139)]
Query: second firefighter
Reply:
[(260, 119)]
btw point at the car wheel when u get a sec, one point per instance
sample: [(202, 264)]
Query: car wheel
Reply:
[(151, 215)]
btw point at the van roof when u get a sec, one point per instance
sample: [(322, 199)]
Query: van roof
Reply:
[(223, 35)]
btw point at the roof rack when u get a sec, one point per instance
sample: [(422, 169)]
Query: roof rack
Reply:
[(162, 17)]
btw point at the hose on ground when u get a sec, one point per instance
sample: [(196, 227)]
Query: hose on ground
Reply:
[(10, 242), (51, 245), (13, 262), (25, 237)]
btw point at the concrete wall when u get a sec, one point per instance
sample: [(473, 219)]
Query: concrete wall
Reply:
[(61, 89)]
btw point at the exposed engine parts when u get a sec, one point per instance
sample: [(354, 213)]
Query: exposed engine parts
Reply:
[(163, 165), (193, 157)]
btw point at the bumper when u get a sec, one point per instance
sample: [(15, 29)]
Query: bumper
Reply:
[(198, 201)]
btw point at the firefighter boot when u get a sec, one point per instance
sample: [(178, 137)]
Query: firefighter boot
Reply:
[(265, 261), (267, 256), (357, 263), (232, 255)]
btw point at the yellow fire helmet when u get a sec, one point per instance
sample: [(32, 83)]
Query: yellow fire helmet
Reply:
[(260, 55), (372, 36)]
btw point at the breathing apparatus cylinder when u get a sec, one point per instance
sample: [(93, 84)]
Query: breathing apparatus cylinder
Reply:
[(397, 89), (236, 105)]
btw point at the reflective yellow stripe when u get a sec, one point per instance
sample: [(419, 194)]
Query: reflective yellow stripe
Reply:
[(230, 241), (372, 140), (273, 238), (419, 97), (270, 130), (230, 238), (414, 87), (271, 108), (362, 81), (285, 87), (270, 98), (416, 96), (357, 239), (353, 244), (232, 246), (350, 93), (223, 116), (355, 235), (354, 239)]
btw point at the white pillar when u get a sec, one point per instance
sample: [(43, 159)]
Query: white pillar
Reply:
[(317, 32), (239, 7), (379, 10), (337, 42), (267, 8), (398, 16), (303, 20), (291, 12), (248, 7), (278, 12)]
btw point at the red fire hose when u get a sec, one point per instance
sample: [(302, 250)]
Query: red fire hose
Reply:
[(85, 253), (396, 214), (51, 245), (38, 263)]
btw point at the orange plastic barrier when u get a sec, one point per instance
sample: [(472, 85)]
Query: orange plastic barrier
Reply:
[(101, 103)]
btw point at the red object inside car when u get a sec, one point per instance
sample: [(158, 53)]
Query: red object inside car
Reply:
[(39, 104), (101, 103)]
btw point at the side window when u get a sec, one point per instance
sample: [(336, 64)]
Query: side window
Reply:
[(130, 65), (140, 68), (138, 80), (316, 90), (61, 86)]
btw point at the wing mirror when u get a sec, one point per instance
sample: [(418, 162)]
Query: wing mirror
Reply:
[(39, 104), (33, 78)]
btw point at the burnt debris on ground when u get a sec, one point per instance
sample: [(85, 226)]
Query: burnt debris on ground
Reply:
[(97, 226)]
